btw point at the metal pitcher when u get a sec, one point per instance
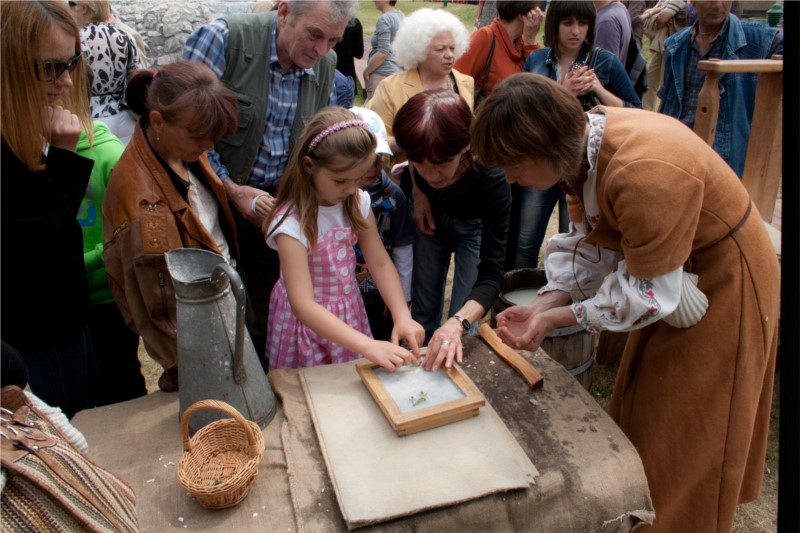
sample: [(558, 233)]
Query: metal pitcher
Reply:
[(216, 358)]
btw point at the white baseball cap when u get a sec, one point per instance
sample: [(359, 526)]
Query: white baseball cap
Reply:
[(376, 126)]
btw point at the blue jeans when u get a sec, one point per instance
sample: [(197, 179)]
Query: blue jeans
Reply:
[(431, 263), (65, 373), (535, 210)]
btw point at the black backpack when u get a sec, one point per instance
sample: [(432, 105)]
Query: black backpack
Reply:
[(636, 67)]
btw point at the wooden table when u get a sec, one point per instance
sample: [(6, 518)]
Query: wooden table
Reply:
[(590, 474)]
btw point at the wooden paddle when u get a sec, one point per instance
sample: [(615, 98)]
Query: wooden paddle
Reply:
[(511, 356)]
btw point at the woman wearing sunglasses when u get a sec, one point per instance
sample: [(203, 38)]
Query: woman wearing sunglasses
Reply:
[(45, 299)]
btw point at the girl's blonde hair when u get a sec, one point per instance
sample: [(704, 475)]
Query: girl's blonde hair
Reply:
[(25, 25), (341, 150)]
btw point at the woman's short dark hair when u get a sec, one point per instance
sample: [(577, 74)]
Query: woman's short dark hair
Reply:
[(559, 10), (530, 116), (433, 126), (510, 10), (185, 91)]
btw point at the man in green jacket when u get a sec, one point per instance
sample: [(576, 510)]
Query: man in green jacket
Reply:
[(280, 64)]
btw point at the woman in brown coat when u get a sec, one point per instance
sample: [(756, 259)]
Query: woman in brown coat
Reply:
[(664, 243), (163, 194)]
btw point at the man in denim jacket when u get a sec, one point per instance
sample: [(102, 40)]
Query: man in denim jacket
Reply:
[(717, 34)]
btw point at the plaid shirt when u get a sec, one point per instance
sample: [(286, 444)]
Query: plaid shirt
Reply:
[(208, 45), (693, 78)]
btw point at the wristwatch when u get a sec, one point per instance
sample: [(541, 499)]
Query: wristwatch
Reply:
[(465, 324)]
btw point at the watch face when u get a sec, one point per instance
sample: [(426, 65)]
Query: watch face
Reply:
[(465, 324)]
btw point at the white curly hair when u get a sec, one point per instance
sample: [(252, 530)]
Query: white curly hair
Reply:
[(418, 30)]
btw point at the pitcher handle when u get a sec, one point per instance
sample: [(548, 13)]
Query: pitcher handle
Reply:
[(240, 295)]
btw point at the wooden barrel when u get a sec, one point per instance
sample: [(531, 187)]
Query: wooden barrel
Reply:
[(571, 346)]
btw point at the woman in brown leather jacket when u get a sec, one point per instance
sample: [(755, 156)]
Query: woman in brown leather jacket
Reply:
[(163, 194)]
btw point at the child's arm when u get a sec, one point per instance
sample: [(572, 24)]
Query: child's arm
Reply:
[(294, 267), (387, 280)]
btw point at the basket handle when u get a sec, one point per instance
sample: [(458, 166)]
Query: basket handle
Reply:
[(219, 406)]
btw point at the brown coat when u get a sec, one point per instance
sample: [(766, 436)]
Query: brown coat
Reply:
[(144, 216), (695, 402)]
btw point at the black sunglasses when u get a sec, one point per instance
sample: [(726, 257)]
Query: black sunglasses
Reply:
[(72, 4), (52, 70)]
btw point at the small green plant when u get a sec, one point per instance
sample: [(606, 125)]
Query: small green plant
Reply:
[(423, 396)]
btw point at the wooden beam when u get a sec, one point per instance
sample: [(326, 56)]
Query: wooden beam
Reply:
[(740, 65)]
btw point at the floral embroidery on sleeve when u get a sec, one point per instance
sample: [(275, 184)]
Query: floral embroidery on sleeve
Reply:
[(579, 310), (617, 309), (647, 292)]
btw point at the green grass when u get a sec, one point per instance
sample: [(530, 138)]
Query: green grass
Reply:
[(368, 15)]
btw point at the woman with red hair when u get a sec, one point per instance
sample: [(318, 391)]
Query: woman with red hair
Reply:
[(468, 216)]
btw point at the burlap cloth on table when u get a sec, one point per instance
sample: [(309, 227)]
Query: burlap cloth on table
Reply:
[(591, 477)]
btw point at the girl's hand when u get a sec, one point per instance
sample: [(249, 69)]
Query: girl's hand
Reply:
[(62, 127), (579, 81), (409, 330), (389, 356), (445, 345), (596, 86)]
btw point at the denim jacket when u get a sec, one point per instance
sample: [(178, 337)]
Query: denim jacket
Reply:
[(607, 67), (743, 40)]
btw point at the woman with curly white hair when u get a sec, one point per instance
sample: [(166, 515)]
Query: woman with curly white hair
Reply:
[(427, 45)]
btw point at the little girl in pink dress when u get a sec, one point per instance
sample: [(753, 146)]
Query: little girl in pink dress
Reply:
[(316, 314)]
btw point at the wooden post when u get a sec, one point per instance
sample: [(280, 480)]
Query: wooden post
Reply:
[(705, 122), (762, 166)]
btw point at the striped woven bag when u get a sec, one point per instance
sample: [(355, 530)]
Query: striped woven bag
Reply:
[(51, 486)]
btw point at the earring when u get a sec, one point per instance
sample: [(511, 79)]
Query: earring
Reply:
[(158, 136)]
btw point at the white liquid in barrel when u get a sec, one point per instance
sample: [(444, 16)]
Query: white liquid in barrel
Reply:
[(521, 296)]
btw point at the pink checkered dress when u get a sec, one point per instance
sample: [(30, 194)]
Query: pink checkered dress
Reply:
[(332, 265)]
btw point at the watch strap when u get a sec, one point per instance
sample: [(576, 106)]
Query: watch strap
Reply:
[(465, 324)]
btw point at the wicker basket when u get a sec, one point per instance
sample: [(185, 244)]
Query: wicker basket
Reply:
[(220, 462)]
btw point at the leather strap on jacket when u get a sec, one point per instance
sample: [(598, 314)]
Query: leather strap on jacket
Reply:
[(742, 221)]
